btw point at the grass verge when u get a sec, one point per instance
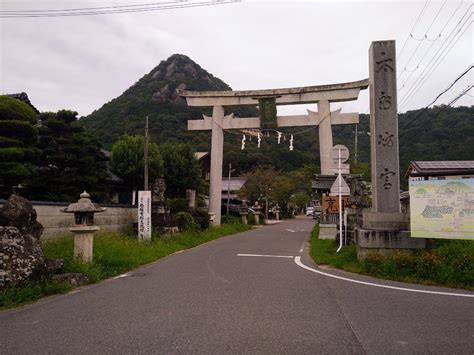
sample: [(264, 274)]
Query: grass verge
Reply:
[(113, 255), (449, 262)]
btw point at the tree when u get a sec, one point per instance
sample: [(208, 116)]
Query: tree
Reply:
[(181, 169), (70, 161), (127, 160), (18, 138), (259, 183)]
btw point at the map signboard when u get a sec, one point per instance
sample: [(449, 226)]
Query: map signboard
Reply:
[(442, 209)]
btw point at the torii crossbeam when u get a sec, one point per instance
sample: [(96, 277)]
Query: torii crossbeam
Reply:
[(323, 95)]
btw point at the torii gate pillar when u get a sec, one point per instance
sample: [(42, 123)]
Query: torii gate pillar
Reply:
[(217, 146), (325, 137)]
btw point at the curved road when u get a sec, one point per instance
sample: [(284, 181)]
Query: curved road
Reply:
[(212, 300)]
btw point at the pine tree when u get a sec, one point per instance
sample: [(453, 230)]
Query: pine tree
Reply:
[(70, 161), (18, 137)]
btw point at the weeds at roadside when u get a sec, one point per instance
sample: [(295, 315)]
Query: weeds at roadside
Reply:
[(448, 263), (113, 255)]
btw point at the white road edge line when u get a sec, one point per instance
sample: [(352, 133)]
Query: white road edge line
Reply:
[(120, 276), (300, 264), (268, 256)]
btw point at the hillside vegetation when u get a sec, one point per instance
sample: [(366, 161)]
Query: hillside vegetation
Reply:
[(439, 133)]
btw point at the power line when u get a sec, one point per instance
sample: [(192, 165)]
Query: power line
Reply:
[(453, 101), (91, 8), (443, 92), (178, 4), (426, 35), (450, 86), (411, 31), (435, 59), (421, 81), (432, 44), (464, 92)]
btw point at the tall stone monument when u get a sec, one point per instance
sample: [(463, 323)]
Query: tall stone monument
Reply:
[(384, 227), (384, 127)]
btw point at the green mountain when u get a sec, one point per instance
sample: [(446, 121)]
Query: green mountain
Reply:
[(439, 133)]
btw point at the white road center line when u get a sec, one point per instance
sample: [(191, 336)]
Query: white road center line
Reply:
[(268, 256), (290, 230), (300, 264)]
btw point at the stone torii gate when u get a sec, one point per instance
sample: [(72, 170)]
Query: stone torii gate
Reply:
[(322, 95)]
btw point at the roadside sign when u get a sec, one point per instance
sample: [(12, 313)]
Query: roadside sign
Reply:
[(345, 191), (344, 153), (331, 204)]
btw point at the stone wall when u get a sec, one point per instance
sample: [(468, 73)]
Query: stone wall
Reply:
[(117, 218)]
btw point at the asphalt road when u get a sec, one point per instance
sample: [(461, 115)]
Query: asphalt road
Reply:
[(211, 300)]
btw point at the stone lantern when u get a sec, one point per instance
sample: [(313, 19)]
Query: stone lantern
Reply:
[(244, 211), (256, 207), (277, 211), (84, 227)]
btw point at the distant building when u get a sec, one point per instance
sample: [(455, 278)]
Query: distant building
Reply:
[(232, 186), (205, 161), (230, 190), (440, 170), (435, 170)]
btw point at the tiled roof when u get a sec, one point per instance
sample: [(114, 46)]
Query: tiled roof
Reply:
[(236, 183), (200, 155), (441, 167)]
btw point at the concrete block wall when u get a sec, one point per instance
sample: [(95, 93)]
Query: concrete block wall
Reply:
[(56, 223)]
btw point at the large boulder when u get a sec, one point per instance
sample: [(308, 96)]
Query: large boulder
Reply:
[(21, 257), (19, 212)]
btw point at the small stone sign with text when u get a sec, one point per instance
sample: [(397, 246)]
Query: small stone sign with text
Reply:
[(144, 215)]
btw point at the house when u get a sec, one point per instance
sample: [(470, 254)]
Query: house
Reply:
[(230, 191), (440, 170), (205, 161)]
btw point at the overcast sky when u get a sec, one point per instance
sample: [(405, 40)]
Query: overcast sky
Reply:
[(80, 63)]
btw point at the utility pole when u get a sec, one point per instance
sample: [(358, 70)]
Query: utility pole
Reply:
[(145, 184)]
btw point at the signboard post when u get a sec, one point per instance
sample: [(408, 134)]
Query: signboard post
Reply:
[(144, 215)]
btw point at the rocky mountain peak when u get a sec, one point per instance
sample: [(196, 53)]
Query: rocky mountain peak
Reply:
[(181, 72)]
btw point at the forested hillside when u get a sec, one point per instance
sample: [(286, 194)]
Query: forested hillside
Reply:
[(435, 134)]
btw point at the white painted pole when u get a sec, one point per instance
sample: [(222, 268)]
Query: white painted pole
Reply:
[(340, 200)]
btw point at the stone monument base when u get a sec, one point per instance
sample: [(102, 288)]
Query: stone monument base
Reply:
[(385, 233), (328, 231)]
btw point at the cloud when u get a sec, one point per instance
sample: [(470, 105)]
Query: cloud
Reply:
[(82, 62)]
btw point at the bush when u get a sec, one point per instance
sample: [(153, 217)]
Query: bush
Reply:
[(185, 221), (229, 219), (177, 205), (251, 219), (201, 217)]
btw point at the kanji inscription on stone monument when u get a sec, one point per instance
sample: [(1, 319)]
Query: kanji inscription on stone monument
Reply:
[(384, 127)]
